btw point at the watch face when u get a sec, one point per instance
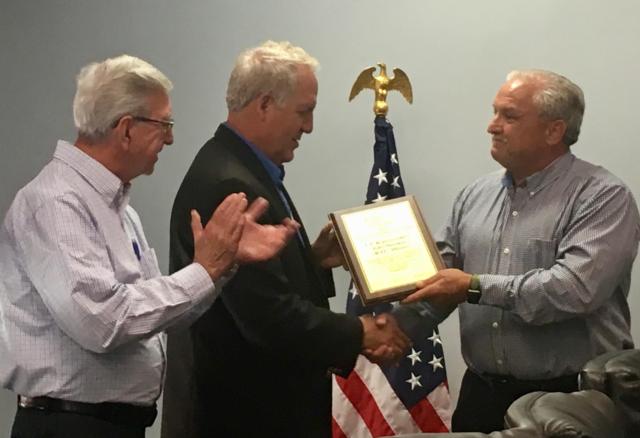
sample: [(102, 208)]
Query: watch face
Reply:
[(473, 296)]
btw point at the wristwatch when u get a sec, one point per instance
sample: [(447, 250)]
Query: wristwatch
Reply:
[(474, 293)]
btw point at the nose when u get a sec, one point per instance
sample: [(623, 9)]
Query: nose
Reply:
[(494, 125), (168, 137), (307, 124)]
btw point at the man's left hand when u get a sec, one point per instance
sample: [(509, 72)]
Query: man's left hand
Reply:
[(445, 290), (326, 248)]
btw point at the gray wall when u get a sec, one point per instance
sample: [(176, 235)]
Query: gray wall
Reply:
[(455, 52)]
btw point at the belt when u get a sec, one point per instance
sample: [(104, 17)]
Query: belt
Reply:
[(117, 413), (567, 383)]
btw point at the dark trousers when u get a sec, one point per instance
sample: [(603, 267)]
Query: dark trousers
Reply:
[(484, 400), (34, 423)]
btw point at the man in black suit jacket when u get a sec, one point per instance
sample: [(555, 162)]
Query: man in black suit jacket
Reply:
[(262, 355)]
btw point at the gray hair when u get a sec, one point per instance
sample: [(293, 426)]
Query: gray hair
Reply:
[(112, 88), (557, 99), (267, 69)]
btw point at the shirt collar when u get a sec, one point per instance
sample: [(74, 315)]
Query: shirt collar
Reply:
[(109, 187), (275, 172), (539, 180)]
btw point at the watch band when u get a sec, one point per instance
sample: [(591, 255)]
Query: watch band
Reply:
[(474, 292)]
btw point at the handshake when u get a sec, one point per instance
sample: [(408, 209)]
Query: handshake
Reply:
[(383, 342)]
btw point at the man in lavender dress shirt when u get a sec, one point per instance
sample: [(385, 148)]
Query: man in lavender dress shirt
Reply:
[(82, 301)]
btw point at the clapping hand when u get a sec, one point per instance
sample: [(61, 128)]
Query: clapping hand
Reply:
[(262, 242), (216, 244), (233, 235)]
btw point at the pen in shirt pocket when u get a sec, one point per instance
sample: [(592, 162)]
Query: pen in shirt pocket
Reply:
[(136, 248)]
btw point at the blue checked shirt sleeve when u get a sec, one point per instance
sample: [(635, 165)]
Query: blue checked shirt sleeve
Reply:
[(81, 283)]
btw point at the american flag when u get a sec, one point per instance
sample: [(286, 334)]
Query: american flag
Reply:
[(412, 397)]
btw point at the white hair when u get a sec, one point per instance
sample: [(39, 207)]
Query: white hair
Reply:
[(557, 99), (112, 88), (270, 68)]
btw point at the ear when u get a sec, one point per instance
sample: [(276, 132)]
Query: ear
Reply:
[(555, 132), (264, 102), (121, 131)]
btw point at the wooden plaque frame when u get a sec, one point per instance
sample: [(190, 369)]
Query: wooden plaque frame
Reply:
[(388, 248)]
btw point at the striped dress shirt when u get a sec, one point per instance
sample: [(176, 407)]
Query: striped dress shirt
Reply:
[(82, 300), (554, 258)]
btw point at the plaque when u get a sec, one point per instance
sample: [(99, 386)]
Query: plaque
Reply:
[(387, 247)]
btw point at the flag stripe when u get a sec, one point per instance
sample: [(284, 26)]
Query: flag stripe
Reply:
[(394, 411), (427, 418), (336, 431), (440, 400), (347, 419), (358, 394)]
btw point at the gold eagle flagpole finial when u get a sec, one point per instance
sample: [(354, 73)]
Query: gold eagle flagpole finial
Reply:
[(381, 84)]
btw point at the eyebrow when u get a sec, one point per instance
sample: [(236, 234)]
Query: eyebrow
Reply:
[(506, 107)]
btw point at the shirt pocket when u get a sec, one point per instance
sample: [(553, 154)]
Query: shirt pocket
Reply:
[(149, 264), (541, 253)]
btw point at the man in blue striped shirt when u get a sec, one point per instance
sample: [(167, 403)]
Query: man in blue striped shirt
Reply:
[(539, 256)]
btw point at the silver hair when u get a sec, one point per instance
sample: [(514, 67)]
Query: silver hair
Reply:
[(267, 69), (557, 99), (112, 88)]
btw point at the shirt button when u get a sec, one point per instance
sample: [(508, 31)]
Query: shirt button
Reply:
[(532, 193), (506, 251), (499, 361), (514, 213), (495, 325)]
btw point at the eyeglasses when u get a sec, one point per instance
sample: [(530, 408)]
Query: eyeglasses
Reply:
[(167, 125)]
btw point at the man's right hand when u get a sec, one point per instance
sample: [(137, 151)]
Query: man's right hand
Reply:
[(383, 341), (216, 245), (261, 242), (444, 291), (234, 236)]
